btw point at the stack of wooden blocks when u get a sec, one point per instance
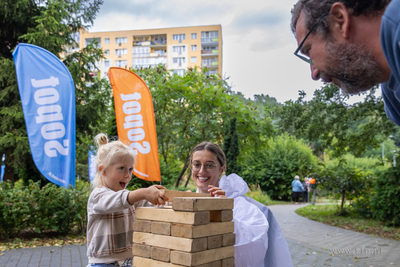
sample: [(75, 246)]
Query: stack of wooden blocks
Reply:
[(195, 231)]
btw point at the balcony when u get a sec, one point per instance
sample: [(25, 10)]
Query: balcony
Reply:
[(209, 53), (141, 43), (209, 40), (157, 44), (157, 54), (210, 65)]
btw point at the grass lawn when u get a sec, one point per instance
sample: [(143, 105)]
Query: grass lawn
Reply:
[(353, 221)]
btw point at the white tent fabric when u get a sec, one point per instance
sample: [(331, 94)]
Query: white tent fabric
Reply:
[(259, 238)]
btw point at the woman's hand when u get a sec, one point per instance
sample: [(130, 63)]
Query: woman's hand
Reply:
[(216, 191), (155, 196)]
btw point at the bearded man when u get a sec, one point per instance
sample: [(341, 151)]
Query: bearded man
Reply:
[(353, 43)]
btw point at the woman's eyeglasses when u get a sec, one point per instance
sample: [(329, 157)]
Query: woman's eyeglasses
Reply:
[(208, 166)]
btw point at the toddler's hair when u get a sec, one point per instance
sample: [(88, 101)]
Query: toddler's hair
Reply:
[(106, 153)]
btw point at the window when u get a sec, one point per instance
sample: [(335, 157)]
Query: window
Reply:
[(121, 40), (107, 52), (178, 60), (179, 72), (208, 61), (160, 52), (194, 48), (194, 35), (193, 60), (121, 51), (106, 63), (139, 51), (107, 40), (213, 34), (208, 37), (121, 63), (178, 49), (178, 37)]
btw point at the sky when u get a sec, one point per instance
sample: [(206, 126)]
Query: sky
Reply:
[(258, 44)]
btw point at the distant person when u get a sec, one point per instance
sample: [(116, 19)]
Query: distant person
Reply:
[(353, 44), (111, 208), (297, 189), (306, 189), (259, 238)]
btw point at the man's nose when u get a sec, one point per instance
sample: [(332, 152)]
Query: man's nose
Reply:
[(315, 73)]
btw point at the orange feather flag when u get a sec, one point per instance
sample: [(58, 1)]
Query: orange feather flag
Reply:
[(136, 125)]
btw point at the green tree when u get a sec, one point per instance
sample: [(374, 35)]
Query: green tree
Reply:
[(192, 108), (51, 25), (274, 167), (231, 146), (328, 122), (349, 182)]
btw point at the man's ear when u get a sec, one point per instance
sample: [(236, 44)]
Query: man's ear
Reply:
[(340, 20)]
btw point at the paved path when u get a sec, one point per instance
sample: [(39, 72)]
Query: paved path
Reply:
[(309, 242), (70, 255)]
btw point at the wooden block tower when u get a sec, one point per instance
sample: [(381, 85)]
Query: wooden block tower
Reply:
[(196, 231)]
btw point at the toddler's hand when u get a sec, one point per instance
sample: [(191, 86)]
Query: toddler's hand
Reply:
[(155, 196), (216, 191)]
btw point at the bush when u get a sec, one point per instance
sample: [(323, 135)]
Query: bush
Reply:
[(15, 207), (362, 206), (259, 196), (51, 208), (348, 182), (274, 168), (386, 200)]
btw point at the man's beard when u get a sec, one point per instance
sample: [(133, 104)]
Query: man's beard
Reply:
[(353, 66)]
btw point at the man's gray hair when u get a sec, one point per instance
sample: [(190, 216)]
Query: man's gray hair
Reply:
[(297, 177), (314, 9)]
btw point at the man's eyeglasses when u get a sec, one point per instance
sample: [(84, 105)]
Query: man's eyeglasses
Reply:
[(303, 57), (208, 166)]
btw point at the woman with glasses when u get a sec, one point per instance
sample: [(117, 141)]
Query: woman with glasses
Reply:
[(259, 239)]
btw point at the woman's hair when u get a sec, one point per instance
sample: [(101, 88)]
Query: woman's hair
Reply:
[(213, 148), (107, 152)]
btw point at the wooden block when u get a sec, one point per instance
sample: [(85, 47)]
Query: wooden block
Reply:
[(202, 257), (214, 241), (228, 239), (171, 194), (196, 231), (161, 228), (168, 215), (203, 203), (141, 250), (171, 242), (221, 216), (160, 254), (143, 262), (142, 226), (229, 262)]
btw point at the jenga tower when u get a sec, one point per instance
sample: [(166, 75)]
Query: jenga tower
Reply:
[(196, 231)]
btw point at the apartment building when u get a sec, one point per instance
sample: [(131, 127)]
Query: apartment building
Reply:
[(176, 48)]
